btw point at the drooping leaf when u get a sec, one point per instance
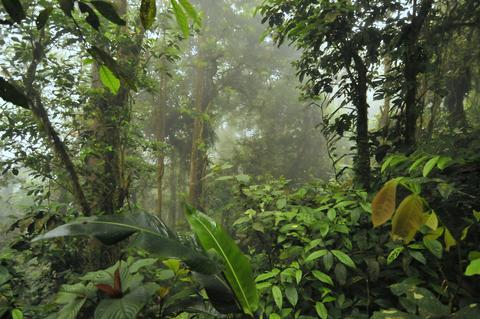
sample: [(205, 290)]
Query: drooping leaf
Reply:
[(292, 295), (128, 306), (473, 268), (92, 18), (321, 310), (148, 11), (67, 6), (181, 17), (219, 293), (277, 296), (417, 163), (430, 165), (238, 270), (14, 9), (12, 94), (42, 18), (323, 277), (343, 258), (408, 218), (109, 80), (107, 10), (151, 235), (448, 239), (383, 205), (190, 10)]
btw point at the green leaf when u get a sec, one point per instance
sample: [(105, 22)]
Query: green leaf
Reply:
[(4, 275), (17, 314), (434, 246), (281, 203), (67, 6), (394, 254), (42, 18), (71, 310), (181, 18), (109, 80), (69, 293), (190, 10), (316, 254), (238, 270), (12, 94), (328, 261), (321, 310), (417, 163), (150, 233), (430, 165), (473, 268), (107, 10), (444, 162), (323, 277), (292, 295), (277, 296), (14, 9), (148, 11), (128, 306), (343, 258), (267, 275), (92, 18)]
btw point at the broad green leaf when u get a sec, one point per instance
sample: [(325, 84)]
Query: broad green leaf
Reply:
[(238, 270), (298, 276), (323, 277), (242, 178), (343, 258), (417, 163), (267, 275), (383, 204), (277, 296), (315, 255), (444, 162), (408, 218), (394, 254), (14, 9), (128, 306), (109, 79), (418, 256), (182, 20), (434, 246), (328, 261), (71, 310), (139, 264), (107, 10), (17, 314), (340, 273), (473, 268), (281, 203), (69, 293), (12, 94), (274, 316), (430, 165), (148, 11), (321, 310), (190, 10), (292, 295), (150, 233)]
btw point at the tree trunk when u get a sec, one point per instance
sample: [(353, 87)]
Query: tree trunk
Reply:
[(458, 88), (172, 181), (160, 135), (362, 164)]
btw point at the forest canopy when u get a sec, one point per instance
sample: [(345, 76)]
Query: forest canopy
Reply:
[(239, 159)]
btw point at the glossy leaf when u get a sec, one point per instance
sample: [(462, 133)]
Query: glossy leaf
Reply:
[(323, 277), (107, 10), (434, 246), (430, 165), (151, 234), (17, 314), (408, 218), (148, 11), (473, 268), (14, 9), (109, 80), (321, 310), (315, 255), (238, 270), (383, 204), (277, 296), (343, 258)]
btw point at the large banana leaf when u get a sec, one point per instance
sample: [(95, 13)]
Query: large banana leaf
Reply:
[(150, 233), (238, 271)]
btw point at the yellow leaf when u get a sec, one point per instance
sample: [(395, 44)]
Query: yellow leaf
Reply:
[(434, 234), (408, 218), (432, 221), (449, 240), (383, 205)]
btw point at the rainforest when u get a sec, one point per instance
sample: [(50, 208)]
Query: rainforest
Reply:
[(250, 159)]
